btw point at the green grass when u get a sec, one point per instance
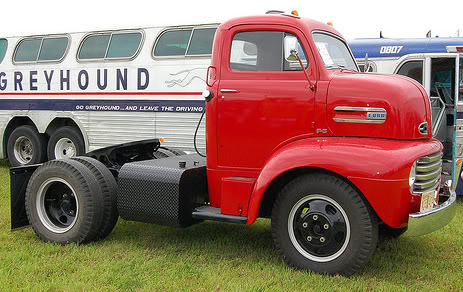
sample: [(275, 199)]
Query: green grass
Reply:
[(213, 257)]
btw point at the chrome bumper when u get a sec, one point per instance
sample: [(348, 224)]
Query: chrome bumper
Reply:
[(434, 219)]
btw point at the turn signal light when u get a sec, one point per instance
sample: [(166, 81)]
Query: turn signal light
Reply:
[(329, 23)]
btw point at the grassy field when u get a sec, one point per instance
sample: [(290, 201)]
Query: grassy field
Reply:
[(213, 257)]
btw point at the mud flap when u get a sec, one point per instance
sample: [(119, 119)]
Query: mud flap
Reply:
[(19, 178)]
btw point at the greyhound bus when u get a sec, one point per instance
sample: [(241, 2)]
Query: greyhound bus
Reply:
[(66, 94), (436, 64)]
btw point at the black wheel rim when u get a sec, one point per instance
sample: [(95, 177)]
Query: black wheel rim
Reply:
[(319, 228), (57, 205)]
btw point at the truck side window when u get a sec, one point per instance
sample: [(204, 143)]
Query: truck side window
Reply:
[(261, 51), (3, 47), (412, 69)]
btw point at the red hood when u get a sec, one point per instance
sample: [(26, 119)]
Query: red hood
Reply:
[(377, 105)]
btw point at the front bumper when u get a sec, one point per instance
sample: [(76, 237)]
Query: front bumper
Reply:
[(434, 219)]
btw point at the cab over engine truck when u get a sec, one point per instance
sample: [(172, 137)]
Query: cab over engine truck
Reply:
[(294, 133)]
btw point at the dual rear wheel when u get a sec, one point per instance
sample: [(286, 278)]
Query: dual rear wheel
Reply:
[(26, 146), (72, 200)]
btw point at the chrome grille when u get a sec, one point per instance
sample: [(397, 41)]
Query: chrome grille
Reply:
[(428, 173)]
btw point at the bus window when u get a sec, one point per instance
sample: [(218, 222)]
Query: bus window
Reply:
[(124, 45), (94, 47), (44, 49), (412, 69), (53, 49), (201, 41), (27, 50), (3, 47), (172, 43)]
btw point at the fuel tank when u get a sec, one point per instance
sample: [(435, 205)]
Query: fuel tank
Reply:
[(378, 105)]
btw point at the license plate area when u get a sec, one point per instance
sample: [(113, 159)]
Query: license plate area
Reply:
[(427, 201)]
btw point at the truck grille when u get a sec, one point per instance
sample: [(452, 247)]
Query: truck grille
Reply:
[(428, 173)]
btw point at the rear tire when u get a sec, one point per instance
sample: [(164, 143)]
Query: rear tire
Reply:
[(108, 187), (66, 142), (64, 203), (320, 223), (26, 146)]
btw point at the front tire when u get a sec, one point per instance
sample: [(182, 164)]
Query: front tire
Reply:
[(64, 203), (26, 146), (320, 223)]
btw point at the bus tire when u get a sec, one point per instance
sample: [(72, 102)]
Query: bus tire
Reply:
[(64, 203), (26, 146), (108, 187), (66, 142), (320, 223)]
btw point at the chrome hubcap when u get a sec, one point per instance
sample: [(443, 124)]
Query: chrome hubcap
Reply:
[(65, 148), (23, 151)]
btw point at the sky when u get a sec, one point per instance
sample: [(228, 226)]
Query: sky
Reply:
[(353, 19)]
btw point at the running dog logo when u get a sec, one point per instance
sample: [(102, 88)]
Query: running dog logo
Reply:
[(187, 76)]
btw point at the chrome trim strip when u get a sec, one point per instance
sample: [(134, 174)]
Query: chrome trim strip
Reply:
[(358, 109), (357, 121), (430, 158), (429, 167), (428, 176)]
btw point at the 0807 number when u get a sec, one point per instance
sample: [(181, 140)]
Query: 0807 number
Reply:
[(390, 49)]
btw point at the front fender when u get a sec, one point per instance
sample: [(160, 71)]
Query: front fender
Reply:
[(379, 168)]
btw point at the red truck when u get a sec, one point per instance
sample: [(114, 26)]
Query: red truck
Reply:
[(294, 133)]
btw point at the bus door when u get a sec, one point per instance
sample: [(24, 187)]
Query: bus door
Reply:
[(458, 132)]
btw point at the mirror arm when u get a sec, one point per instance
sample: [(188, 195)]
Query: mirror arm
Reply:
[(311, 85)]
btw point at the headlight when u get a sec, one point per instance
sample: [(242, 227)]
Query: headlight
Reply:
[(412, 177)]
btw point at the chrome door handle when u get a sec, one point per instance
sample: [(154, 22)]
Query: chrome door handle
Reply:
[(228, 90)]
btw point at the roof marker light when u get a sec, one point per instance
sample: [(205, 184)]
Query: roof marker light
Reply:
[(454, 49), (294, 12)]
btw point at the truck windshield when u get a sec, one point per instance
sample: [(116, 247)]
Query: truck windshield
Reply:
[(334, 52)]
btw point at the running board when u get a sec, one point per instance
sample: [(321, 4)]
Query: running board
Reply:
[(211, 213)]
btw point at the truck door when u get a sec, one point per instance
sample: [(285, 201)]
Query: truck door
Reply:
[(263, 100)]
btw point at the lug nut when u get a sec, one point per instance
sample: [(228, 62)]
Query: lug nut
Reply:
[(315, 217), (322, 239), (305, 224), (326, 226), (309, 238)]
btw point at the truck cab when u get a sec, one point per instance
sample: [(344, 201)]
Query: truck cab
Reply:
[(295, 133)]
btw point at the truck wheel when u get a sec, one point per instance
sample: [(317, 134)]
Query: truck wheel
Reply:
[(26, 146), (320, 223), (64, 203), (66, 142), (108, 187)]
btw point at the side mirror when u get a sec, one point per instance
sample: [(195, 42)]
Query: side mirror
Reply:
[(291, 48)]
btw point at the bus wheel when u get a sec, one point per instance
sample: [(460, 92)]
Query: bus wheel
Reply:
[(320, 223), (26, 146), (64, 202), (66, 142)]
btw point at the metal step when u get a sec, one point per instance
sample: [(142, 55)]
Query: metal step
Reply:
[(211, 213)]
